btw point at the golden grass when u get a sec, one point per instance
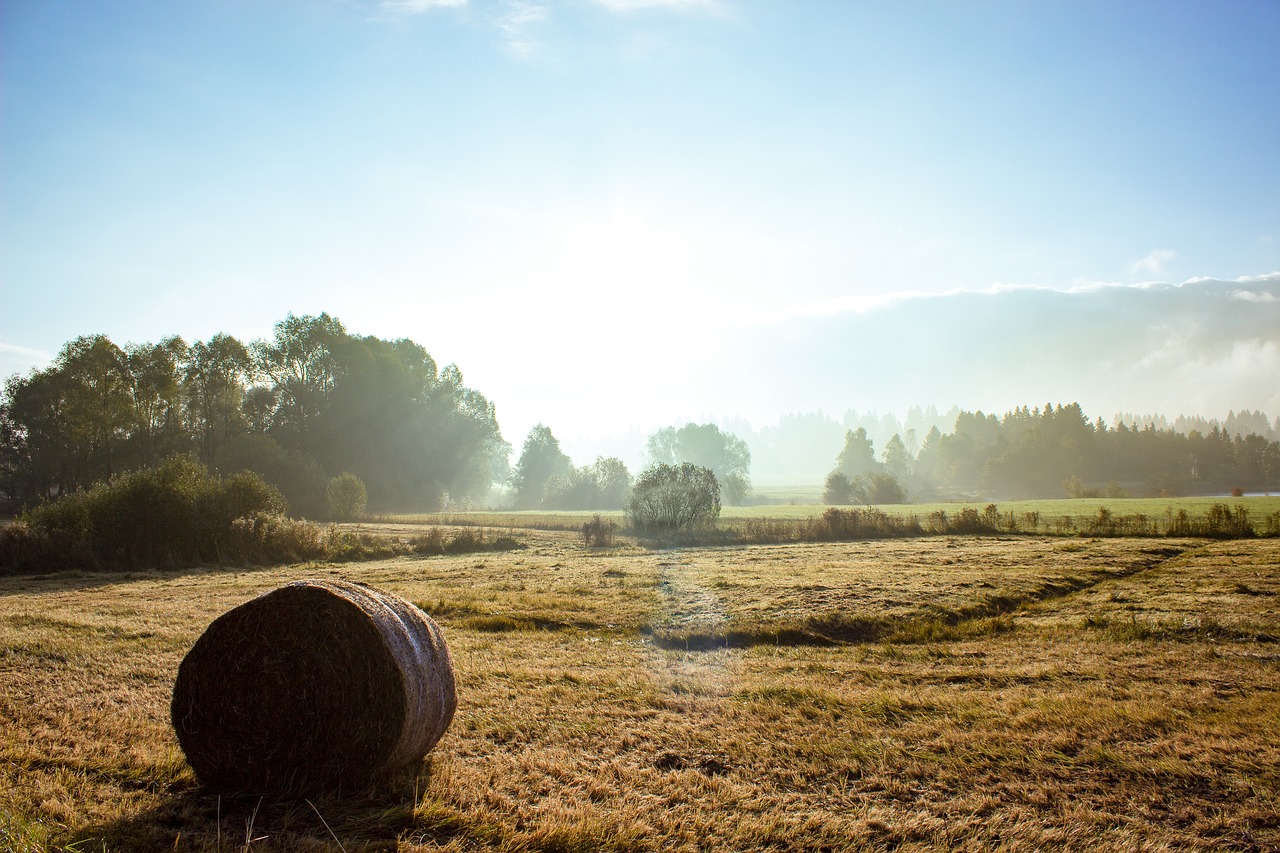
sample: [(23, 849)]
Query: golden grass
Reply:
[(1019, 694)]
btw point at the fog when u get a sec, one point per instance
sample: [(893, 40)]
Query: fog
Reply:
[(1204, 347)]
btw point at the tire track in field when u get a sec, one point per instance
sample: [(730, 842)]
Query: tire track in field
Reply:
[(694, 618)]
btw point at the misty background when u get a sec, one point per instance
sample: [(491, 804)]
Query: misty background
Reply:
[(615, 216)]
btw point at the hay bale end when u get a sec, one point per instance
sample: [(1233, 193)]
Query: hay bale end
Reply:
[(315, 686)]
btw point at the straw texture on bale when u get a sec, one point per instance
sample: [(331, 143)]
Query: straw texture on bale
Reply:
[(314, 686)]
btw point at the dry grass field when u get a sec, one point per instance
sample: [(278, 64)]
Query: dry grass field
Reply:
[(956, 693)]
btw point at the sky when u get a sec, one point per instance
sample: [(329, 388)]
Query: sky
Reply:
[(617, 215)]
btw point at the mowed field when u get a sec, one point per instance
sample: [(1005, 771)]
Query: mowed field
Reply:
[(1017, 693)]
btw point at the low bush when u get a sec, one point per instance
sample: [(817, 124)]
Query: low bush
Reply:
[(599, 532), (669, 499), (346, 497), (174, 514)]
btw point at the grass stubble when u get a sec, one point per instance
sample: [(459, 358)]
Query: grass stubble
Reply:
[(939, 693)]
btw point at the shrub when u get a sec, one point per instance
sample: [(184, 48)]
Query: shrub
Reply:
[(174, 513), (297, 475), (846, 524), (599, 531), (667, 499), (1222, 523), (346, 497)]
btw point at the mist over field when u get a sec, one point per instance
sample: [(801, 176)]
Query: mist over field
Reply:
[(1203, 347)]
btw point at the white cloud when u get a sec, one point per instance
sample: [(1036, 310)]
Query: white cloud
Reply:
[(1154, 262), (516, 22), (414, 7), (1255, 279), (1252, 296), (625, 6), (18, 359)]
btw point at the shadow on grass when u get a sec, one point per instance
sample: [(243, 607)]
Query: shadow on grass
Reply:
[(83, 579), (193, 818)]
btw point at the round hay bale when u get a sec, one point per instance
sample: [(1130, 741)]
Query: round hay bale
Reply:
[(313, 686)]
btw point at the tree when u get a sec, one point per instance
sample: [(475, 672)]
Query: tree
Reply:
[(837, 490), (858, 456), (156, 386), (540, 462), (878, 488), (928, 461), (38, 443), (414, 434), (67, 424), (213, 383), (605, 484), (301, 364), (613, 483), (668, 499), (896, 457), (346, 496), (297, 475), (704, 445), (98, 406)]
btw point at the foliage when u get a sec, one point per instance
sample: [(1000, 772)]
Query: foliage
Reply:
[(175, 513), (605, 484), (704, 445), (346, 496), (1040, 452), (858, 456), (313, 398), (541, 465), (837, 489), (599, 531), (213, 377), (669, 499), (296, 474), (878, 488)]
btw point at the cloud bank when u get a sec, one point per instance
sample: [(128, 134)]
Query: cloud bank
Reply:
[(1202, 347)]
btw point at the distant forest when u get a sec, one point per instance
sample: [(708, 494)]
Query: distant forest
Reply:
[(314, 401), (1056, 451)]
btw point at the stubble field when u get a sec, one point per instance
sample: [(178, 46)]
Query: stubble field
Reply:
[(978, 693)]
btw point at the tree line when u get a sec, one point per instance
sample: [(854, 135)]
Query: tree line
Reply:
[(314, 402), (1054, 451), (308, 403), (544, 477)]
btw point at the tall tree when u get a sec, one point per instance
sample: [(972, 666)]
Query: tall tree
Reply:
[(858, 456), (897, 459), (98, 405), (541, 461), (156, 386), (706, 446), (213, 382), (302, 366)]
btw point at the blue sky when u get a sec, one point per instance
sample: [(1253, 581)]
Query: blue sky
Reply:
[(553, 194)]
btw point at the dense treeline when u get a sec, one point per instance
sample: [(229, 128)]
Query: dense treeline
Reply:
[(312, 401), (1057, 451)]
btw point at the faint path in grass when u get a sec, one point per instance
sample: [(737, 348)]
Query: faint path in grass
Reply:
[(691, 609)]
